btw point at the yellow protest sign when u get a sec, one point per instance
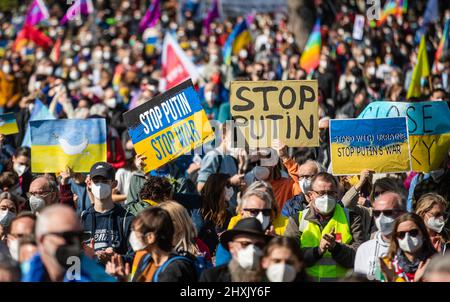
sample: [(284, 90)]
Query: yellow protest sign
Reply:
[(268, 110), (429, 129)]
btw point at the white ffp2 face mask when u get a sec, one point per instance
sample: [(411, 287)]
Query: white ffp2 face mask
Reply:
[(305, 185), (385, 224), (265, 220), (248, 257), (410, 244), (14, 249), (36, 203), (436, 224), (135, 243), (229, 192), (20, 169), (281, 272), (6, 217), (101, 190), (325, 204)]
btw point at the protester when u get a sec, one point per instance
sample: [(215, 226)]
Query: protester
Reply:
[(58, 234), (43, 192), (431, 207), (386, 208), (214, 216), (23, 225), (409, 251), (438, 269), (245, 243), (155, 261), (154, 191), (107, 223), (185, 240), (283, 261), (329, 234)]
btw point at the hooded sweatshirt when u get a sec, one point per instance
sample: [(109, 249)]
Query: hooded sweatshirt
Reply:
[(109, 229)]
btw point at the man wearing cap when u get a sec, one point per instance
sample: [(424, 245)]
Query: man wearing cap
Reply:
[(106, 223), (245, 243)]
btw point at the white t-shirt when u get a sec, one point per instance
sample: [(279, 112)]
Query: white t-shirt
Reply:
[(123, 178), (366, 259)]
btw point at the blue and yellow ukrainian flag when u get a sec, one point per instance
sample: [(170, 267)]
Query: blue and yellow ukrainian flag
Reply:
[(237, 40), (8, 124), (58, 144)]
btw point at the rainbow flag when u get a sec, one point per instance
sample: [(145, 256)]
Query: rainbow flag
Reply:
[(421, 70), (311, 54), (31, 33), (80, 7), (402, 7), (58, 144), (8, 124), (390, 8), (443, 44), (36, 13), (152, 15), (237, 40)]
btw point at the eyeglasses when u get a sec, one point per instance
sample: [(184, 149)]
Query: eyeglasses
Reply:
[(255, 212), (68, 236), (322, 193), (412, 233), (41, 194), (387, 213)]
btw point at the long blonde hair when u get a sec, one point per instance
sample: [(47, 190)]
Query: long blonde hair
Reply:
[(185, 233)]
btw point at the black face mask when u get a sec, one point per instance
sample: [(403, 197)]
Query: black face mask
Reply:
[(70, 249)]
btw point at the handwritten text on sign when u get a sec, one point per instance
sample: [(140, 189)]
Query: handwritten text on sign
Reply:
[(428, 125), (267, 110)]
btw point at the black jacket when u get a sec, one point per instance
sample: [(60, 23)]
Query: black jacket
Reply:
[(216, 274), (109, 229)]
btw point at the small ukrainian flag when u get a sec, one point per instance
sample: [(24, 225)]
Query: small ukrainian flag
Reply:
[(58, 144), (8, 124)]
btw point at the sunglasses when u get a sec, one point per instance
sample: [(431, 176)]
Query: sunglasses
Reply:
[(255, 212), (387, 213), (412, 233), (377, 193), (68, 236)]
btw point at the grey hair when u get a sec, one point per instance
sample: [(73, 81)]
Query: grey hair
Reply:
[(439, 264), (320, 167), (268, 199), (44, 217), (99, 109)]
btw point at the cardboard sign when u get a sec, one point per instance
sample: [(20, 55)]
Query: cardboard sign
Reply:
[(8, 124), (58, 144), (168, 125), (380, 145), (428, 125), (267, 110)]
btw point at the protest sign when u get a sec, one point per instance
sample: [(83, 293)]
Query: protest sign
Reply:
[(428, 125), (236, 8), (60, 144), (8, 124), (268, 110), (168, 125), (358, 27), (380, 145)]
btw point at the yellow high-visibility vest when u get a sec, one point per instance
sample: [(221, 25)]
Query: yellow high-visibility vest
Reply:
[(326, 269)]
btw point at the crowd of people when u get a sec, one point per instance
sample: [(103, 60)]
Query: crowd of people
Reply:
[(225, 215)]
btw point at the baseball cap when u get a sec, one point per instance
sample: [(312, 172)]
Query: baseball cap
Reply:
[(102, 169)]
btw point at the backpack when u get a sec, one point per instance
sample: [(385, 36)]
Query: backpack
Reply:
[(200, 264)]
